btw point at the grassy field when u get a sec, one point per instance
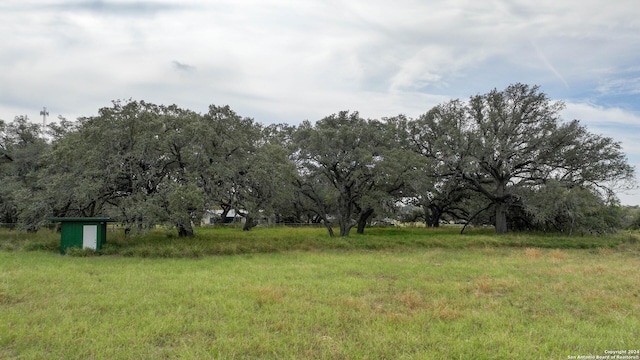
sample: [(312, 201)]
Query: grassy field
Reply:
[(295, 293)]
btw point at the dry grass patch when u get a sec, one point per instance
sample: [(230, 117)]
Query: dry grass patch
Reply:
[(558, 254), (485, 285), (564, 270), (443, 309), (532, 253), (604, 252), (412, 300), (597, 269), (353, 303), (267, 295)]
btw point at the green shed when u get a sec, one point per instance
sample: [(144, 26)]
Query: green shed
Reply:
[(89, 232)]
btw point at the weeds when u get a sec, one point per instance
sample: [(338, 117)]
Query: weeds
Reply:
[(77, 252), (162, 243)]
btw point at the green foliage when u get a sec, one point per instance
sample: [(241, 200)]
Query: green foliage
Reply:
[(556, 207), (350, 166), (147, 165), (504, 142), (22, 160), (632, 218)]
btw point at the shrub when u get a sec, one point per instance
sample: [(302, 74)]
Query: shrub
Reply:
[(78, 252)]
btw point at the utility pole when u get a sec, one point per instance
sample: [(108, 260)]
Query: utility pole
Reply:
[(44, 114)]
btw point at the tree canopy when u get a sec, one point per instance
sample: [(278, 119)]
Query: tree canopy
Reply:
[(146, 164), (502, 142)]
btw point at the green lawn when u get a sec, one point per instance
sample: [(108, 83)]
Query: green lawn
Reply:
[(410, 298)]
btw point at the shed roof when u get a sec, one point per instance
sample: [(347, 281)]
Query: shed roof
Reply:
[(81, 219)]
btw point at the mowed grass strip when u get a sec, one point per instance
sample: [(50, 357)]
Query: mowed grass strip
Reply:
[(472, 303)]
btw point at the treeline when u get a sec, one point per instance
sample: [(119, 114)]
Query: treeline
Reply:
[(504, 158)]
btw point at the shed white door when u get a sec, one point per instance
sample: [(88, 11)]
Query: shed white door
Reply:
[(90, 236)]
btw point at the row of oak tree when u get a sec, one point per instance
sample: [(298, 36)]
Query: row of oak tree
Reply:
[(505, 158)]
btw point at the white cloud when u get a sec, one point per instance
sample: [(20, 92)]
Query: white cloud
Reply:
[(620, 125), (281, 60), (619, 121)]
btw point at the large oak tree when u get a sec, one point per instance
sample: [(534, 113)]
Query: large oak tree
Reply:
[(505, 140)]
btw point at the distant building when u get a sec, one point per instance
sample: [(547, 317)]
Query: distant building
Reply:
[(213, 217)]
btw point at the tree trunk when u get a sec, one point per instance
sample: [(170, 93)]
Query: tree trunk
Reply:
[(248, 223), (329, 228), (501, 218), (362, 220), (225, 212), (185, 230), (434, 219), (345, 209), (345, 227)]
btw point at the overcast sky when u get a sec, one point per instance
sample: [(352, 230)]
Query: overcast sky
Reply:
[(288, 61)]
